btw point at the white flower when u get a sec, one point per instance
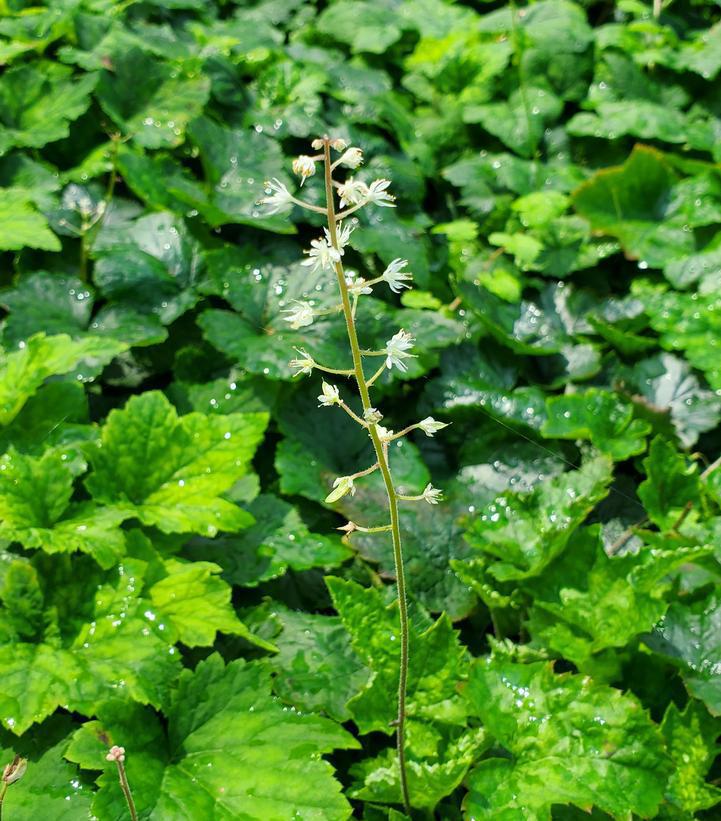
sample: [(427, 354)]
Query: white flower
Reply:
[(330, 396), (432, 495), (342, 486), (429, 425), (396, 348), (377, 193), (372, 415), (321, 255), (338, 144), (343, 233), (356, 285), (116, 754), (300, 315), (304, 167), (353, 192), (279, 197), (384, 434), (352, 158), (304, 364), (395, 276), (317, 144)]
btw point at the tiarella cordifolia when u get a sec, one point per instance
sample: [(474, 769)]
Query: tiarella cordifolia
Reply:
[(326, 253)]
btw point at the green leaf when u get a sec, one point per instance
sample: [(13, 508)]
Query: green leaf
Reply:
[(23, 602), (278, 540), (639, 118), (429, 779), (571, 741), (668, 384), (527, 327), (599, 416), (521, 533), (164, 184), (471, 380), (151, 101), (364, 26), (691, 742), (150, 266), (236, 164), (38, 101), (169, 471), (589, 602), (33, 180), (33, 29), (316, 668), (631, 202), (690, 268), (265, 760), (690, 636), (50, 787), (257, 334), (22, 372), (139, 730), (520, 122), (22, 225), (670, 485), (35, 509), (432, 537), (689, 323), (437, 660), (48, 302), (81, 663), (232, 751), (319, 447), (701, 53), (196, 604), (56, 415)]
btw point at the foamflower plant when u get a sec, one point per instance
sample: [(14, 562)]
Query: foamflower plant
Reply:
[(343, 198)]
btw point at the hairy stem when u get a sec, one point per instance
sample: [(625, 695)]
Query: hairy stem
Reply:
[(125, 787), (83, 261), (387, 481)]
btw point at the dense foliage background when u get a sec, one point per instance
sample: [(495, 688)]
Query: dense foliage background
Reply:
[(170, 579)]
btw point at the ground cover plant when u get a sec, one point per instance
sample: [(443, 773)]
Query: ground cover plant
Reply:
[(190, 628)]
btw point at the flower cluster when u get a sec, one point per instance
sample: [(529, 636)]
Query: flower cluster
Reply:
[(116, 754), (326, 254)]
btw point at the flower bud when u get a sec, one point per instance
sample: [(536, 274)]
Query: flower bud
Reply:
[(330, 396), (384, 434), (304, 167), (372, 415), (429, 425), (341, 486), (338, 145), (352, 158), (15, 770)]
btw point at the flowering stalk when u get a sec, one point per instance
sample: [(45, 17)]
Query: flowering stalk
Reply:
[(380, 453), (117, 754), (327, 253)]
